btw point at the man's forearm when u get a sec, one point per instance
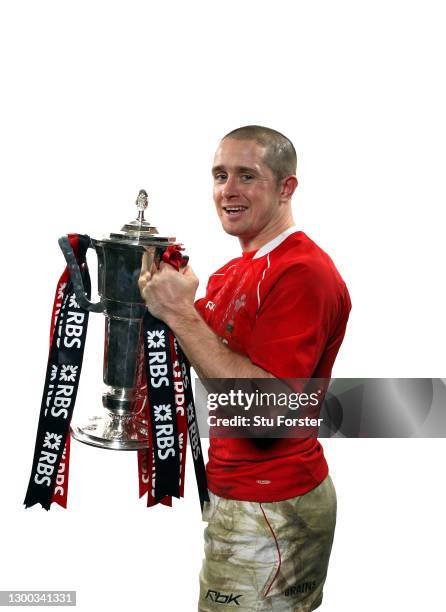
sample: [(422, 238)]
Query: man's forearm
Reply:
[(211, 359), (206, 352)]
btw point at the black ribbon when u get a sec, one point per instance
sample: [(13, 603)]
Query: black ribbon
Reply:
[(60, 390), (159, 370), (192, 426), (162, 408)]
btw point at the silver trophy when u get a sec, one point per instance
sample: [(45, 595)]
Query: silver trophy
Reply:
[(119, 426)]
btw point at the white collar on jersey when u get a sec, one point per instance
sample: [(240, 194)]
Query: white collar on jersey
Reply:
[(272, 244)]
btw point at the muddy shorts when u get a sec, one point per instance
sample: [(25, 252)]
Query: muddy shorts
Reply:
[(267, 556)]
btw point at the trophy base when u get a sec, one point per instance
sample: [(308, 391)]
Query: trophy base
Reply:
[(114, 431)]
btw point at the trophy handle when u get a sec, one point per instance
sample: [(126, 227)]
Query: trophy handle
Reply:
[(76, 277)]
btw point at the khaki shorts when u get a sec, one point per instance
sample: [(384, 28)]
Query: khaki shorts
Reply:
[(267, 556)]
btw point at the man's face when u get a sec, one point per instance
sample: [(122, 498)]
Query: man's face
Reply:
[(246, 194)]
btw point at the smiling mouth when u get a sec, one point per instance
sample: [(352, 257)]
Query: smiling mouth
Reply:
[(234, 210)]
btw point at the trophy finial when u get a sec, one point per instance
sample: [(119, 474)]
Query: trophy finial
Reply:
[(140, 228), (142, 202)]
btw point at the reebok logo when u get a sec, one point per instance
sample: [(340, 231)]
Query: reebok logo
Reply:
[(222, 598)]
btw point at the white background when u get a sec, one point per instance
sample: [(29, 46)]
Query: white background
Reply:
[(100, 99)]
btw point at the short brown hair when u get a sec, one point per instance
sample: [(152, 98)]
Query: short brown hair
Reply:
[(280, 154)]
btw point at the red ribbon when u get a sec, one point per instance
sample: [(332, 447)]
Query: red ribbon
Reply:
[(172, 255)]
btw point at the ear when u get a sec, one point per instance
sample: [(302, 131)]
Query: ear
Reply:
[(287, 187)]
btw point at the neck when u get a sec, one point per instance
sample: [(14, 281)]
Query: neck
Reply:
[(253, 243)]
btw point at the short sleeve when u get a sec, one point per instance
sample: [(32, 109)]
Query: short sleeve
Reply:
[(293, 324)]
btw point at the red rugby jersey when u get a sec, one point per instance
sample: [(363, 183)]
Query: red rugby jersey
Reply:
[(286, 307)]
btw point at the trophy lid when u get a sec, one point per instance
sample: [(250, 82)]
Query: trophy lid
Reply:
[(140, 231)]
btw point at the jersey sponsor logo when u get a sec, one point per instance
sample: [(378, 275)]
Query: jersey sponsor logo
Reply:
[(222, 598), (303, 587), (210, 305)]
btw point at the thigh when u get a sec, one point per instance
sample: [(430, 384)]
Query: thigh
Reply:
[(269, 556), (304, 529), (239, 555)]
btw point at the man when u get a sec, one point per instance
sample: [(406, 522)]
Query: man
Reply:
[(278, 311)]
